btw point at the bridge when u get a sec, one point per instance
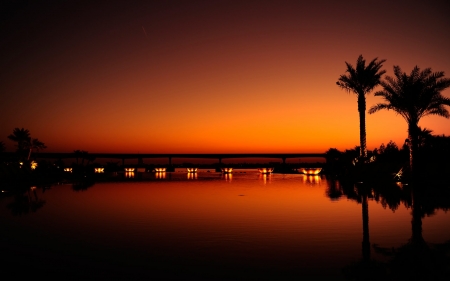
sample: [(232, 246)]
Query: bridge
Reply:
[(170, 156)]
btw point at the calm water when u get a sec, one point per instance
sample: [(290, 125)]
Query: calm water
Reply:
[(209, 225)]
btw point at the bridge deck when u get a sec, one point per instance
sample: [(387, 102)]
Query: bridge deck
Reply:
[(173, 155)]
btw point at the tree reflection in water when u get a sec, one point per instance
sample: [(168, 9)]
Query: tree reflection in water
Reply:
[(26, 202), (82, 183), (416, 259)]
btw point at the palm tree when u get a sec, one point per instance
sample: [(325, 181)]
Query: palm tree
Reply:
[(361, 80), (22, 137), (413, 97), (35, 144)]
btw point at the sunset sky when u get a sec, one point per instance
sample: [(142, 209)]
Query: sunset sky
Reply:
[(208, 76)]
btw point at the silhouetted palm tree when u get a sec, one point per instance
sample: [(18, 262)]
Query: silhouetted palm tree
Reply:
[(361, 80), (35, 144), (2, 146), (21, 137), (413, 97), (424, 136)]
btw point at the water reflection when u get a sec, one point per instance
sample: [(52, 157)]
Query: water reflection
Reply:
[(192, 176), (227, 176), (129, 174), (265, 177), (26, 203), (416, 259), (333, 191), (160, 175), (311, 179), (285, 227), (82, 184)]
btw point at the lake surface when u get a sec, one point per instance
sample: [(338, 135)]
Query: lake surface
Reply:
[(208, 225)]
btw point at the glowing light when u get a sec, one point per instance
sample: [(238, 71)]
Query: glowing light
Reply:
[(227, 170), (129, 174), (192, 170), (310, 171), (158, 170), (129, 170), (34, 165), (265, 170), (399, 175), (69, 170), (99, 170)]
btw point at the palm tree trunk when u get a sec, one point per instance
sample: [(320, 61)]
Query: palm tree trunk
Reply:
[(366, 240), (416, 222), (413, 145), (362, 125)]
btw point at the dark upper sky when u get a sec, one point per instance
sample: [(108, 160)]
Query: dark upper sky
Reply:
[(207, 76)]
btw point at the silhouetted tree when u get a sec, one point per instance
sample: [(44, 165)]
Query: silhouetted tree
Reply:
[(361, 80), (25, 142), (22, 138), (413, 97), (2, 146), (35, 144), (424, 136)]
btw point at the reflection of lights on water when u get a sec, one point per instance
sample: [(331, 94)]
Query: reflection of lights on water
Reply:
[(160, 175), (314, 179), (99, 170), (401, 185), (265, 177), (129, 169), (69, 170), (228, 176), (129, 174), (192, 175)]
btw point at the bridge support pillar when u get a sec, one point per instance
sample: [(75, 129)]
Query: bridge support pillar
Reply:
[(170, 168), (219, 166)]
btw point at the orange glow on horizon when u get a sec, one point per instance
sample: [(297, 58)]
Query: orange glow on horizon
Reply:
[(206, 79)]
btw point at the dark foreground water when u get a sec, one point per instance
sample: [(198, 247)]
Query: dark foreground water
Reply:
[(244, 226)]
